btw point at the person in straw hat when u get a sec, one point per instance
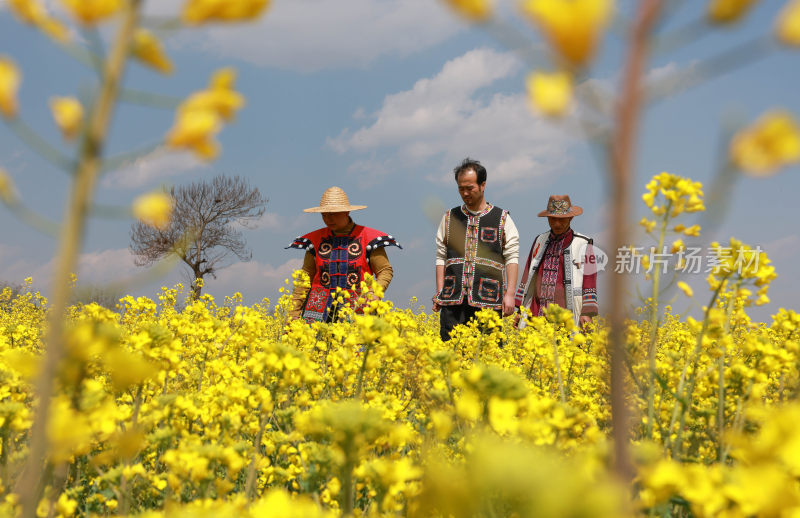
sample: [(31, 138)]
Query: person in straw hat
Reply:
[(338, 256), (477, 253), (561, 266)]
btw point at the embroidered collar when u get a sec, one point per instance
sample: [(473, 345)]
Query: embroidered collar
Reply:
[(554, 238), (484, 212)]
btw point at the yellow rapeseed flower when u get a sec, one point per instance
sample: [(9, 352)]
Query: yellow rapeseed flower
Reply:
[(766, 146), (550, 93), (685, 288), (154, 209), (10, 79), (648, 225), (787, 28), (92, 11), (693, 231), (728, 11), (34, 13), (195, 130), (68, 114), (475, 10), (150, 51), (573, 27), (202, 11), (199, 118), (7, 191)]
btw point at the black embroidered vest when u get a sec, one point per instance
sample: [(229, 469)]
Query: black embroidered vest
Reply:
[(474, 265)]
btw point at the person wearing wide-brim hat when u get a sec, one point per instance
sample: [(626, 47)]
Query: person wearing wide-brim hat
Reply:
[(338, 256), (561, 266)]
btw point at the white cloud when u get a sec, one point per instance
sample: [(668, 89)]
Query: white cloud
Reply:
[(253, 278), (671, 79), (269, 221), (448, 116), (151, 168), (310, 35)]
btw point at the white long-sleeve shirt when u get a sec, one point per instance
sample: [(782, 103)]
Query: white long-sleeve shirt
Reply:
[(510, 241)]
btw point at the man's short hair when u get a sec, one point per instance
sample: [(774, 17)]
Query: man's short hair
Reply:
[(469, 164)]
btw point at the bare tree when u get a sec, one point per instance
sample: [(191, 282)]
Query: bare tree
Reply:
[(204, 229)]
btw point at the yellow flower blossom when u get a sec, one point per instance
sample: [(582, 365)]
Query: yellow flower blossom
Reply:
[(677, 246), (693, 231), (475, 10), (203, 11), (199, 118), (647, 224), (7, 191), (154, 209), (92, 11), (573, 27), (34, 13), (10, 79), (68, 114), (550, 94), (771, 143), (728, 11), (150, 51), (788, 24), (686, 289)]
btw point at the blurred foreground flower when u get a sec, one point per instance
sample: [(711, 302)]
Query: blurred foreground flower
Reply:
[(149, 50), (68, 114), (7, 193), (728, 11), (34, 13), (200, 117), (10, 80), (201, 11), (92, 11), (154, 209), (685, 288), (573, 27), (766, 146), (550, 94), (475, 10), (788, 26)]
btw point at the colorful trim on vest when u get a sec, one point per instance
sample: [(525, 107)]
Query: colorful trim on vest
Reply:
[(341, 263), (477, 273)]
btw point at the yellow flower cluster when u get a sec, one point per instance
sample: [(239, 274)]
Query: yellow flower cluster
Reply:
[(679, 195), (203, 11), (200, 117), (34, 13), (770, 143), (189, 407)]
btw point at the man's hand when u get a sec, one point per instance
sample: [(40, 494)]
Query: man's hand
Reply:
[(508, 303), (583, 320)]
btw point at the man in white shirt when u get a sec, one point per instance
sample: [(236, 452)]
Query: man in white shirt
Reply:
[(477, 254)]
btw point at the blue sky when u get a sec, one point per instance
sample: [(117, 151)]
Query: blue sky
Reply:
[(383, 98)]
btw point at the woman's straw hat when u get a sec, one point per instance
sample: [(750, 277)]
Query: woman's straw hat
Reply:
[(334, 200)]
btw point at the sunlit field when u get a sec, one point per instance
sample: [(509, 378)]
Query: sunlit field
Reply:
[(212, 408)]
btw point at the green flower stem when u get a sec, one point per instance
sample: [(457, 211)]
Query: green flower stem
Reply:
[(557, 364), (33, 218), (39, 145), (31, 483), (651, 349), (684, 401), (721, 376), (250, 485), (361, 371)]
